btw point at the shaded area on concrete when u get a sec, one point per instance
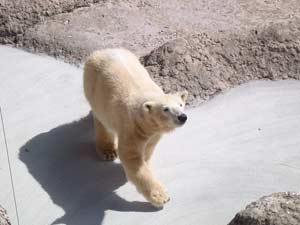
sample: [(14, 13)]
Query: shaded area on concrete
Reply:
[(69, 171)]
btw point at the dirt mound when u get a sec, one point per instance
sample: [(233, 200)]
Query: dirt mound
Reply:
[(207, 64)]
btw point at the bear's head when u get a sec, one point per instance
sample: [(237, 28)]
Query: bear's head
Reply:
[(165, 113)]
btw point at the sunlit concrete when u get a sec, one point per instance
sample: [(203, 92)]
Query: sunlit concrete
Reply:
[(235, 148)]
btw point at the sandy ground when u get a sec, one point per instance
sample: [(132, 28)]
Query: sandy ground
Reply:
[(235, 148)]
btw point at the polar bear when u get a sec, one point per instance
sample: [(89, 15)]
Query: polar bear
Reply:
[(131, 113)]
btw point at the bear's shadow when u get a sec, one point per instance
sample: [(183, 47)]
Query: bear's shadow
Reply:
[(65, 164)]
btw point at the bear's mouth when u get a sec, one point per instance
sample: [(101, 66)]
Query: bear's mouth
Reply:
[(178, 123)]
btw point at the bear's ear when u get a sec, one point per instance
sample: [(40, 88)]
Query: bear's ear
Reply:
[(148, 106), (183, 95)]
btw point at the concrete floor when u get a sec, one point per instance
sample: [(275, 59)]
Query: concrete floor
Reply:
[(235, 148)]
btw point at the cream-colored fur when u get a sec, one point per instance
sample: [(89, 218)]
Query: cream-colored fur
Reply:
[(131, 113)]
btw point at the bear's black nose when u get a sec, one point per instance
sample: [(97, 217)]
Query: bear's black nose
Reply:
[(182, 118)]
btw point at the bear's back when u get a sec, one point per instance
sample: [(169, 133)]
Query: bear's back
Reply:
[(119, 72), (126, 68)]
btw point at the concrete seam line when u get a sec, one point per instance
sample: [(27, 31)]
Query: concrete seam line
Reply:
[(9, 166)]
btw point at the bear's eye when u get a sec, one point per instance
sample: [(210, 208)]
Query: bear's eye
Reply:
[(166, 109), (180, 105)]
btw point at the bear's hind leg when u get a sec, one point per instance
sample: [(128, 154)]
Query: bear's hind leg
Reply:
[(106, 146)]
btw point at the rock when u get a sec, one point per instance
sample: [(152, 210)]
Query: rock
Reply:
[(3, 217), (16, 16), (276, 209), (207, 64)]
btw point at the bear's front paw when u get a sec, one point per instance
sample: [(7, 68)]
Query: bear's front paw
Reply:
[(109, 155), (157, 196)]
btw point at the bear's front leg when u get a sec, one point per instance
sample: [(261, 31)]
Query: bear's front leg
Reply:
[(150, 146), (139, 173)]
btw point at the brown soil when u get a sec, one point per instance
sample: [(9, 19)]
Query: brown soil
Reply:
[(16, 16), (72, 30)]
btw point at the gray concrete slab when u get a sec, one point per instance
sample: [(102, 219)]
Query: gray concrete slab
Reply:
[(235, 148), (6, 194)]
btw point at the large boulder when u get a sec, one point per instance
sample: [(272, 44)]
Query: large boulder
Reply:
[(275, 209), (3, 217), (207, 64)]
